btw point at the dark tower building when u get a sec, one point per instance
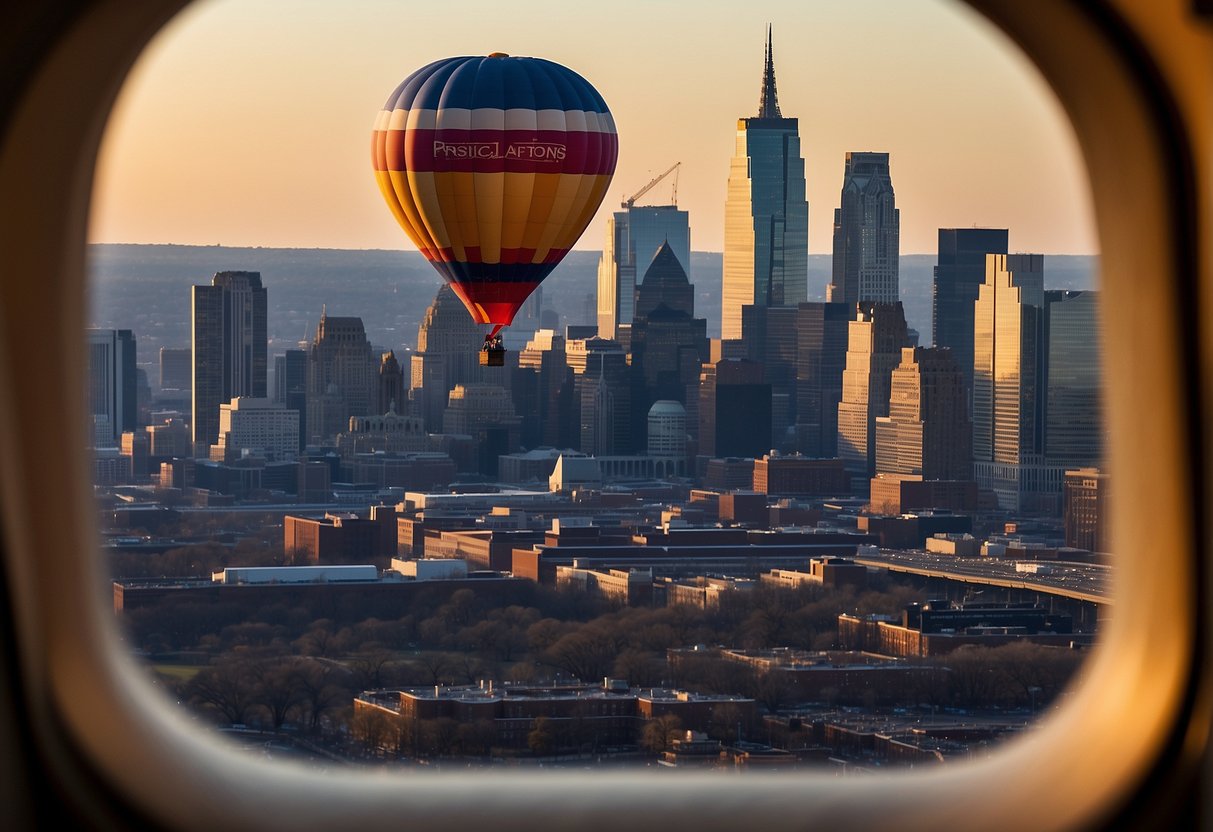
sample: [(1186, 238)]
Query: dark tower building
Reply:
[(290, 387), (866, 234), (230, 349), (341, 376), (113, 398), (769, 339), (821, 357), (959, 273), (668, 343), (176, 368), (391, 388), (734, 409)]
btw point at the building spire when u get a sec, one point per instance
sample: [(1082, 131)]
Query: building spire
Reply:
[(768, 101)]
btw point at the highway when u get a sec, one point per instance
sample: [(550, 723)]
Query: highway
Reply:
[(1081, 581)]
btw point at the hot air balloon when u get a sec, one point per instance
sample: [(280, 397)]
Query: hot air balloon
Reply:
[(494, 166)]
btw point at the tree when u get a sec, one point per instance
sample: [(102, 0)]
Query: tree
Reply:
[(226, 689), (542, 737), (659, 734)]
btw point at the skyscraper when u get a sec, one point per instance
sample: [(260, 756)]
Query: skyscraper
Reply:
[(112, 396), (448, 350), (390, 387), (668, 343), (1008, 371), (734, 409), (290, 387), (766, 217), (959, 273), (230, 349), (927, 431), (866, 234), (634, 236), (176, 368), (874, 343), (341, 376), (1073, 406), (821, 357)]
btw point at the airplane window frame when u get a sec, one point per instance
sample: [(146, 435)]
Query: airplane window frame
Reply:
[(1128, 743)]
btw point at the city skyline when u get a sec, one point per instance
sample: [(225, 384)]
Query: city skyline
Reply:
[(933, 120)]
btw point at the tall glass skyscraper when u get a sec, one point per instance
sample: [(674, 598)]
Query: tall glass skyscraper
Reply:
[(1074, 421), (766, 216), (867, 231), (634, 236)]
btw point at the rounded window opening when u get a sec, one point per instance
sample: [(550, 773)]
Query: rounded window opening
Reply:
[(815, 489)]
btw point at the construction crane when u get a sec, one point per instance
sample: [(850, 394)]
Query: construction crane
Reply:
[(627, 203)]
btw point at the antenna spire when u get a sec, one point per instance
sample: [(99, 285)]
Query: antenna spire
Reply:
[(768, 101)]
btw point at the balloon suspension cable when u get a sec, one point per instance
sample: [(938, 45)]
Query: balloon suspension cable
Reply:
[(496, 328)]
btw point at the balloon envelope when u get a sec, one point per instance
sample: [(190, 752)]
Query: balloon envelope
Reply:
[(494, 166)]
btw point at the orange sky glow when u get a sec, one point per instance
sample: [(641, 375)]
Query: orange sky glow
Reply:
[(247, 122)]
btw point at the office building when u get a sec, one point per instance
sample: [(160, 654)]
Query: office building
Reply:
[(959, 273), (602, 396), (1085, 509), (112, 391), (668, 343), (1009, 367), (766, 220), (486, 413), (821, 357), (874, 343), (290, 386), (927, 431), (734, 410), (341, 376), (769, 338), (866, 234), (229, 346), (1074, 414), (447, 354), (176, 368), (257, 427), (634, 236), (542, 389)]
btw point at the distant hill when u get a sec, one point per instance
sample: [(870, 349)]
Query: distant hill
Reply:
[(146, 288)]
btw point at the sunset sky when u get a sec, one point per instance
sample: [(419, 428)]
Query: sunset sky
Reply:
[(247, 122)]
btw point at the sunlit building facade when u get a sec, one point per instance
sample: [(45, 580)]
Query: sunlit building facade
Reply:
[(874, 343), (766, 218), (959, 272), (1008, 376)]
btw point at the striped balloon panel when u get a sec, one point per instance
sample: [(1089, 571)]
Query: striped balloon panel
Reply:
[(494, 167)]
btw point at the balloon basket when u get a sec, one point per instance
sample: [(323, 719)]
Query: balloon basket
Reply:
[(492, 357)]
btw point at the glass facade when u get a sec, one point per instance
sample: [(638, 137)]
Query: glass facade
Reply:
[(766, 221), (766, 215), (634, 236), (959, 273), (1074, 424)]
